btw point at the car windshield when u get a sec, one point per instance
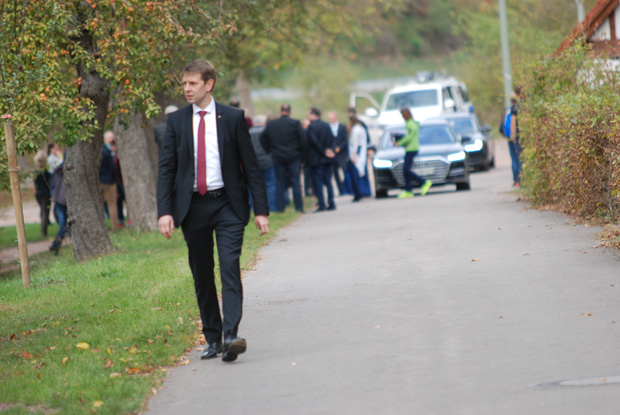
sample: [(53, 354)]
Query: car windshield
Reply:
[(429, 135), (463, 126), (412, 99)]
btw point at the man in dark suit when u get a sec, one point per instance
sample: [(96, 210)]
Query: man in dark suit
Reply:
[(320, 157), (341, 146), (206, 165), (284, 139)]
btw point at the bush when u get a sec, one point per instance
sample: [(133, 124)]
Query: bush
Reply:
[(571, 135)]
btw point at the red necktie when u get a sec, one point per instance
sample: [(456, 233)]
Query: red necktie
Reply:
[(201, 171)]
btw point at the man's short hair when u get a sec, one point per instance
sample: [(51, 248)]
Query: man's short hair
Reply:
[(352, 110), (315, 111), (235, 103), (285, 108), (204, 68), (170, 109), (50, 147)]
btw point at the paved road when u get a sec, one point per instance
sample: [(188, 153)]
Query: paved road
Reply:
[(453, 303)]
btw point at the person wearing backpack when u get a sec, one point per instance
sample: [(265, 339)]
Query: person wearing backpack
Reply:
[(511, 131)]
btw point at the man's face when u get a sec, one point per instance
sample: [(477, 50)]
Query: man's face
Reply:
[(195, 89), (108, 138), (333, 117)]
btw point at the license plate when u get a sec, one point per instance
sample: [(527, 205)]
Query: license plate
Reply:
[(424, 171)]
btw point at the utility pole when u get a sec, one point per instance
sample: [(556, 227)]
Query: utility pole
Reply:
[(581, 11), (506, 65)]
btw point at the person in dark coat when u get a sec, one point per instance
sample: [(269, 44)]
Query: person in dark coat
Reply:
[(60, 208), (265, 162), (160, 129), (320, 157), (284, 139), (42, 186), (206, 166)]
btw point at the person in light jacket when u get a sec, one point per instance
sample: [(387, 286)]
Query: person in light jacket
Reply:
[(356, 165)]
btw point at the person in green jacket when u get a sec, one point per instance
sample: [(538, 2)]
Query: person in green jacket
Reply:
[(411, 142)]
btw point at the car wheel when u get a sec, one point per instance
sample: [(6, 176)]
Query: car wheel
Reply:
[(379, 194), (463, 186), (485, 166), (492, 163)]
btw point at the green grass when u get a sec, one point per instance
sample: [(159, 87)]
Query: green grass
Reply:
[(8, 234), (135, 309)]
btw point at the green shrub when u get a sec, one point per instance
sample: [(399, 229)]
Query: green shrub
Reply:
[(570, 132)]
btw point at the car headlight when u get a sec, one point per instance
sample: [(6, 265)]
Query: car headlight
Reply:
[(456, 156), (475, 146), (382, 164)]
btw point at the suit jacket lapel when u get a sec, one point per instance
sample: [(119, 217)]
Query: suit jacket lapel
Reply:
[(221, 131)]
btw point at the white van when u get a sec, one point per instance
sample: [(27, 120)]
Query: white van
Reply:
[(425, 98)]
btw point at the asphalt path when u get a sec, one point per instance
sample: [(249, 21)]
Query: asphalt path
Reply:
[(452, 303)]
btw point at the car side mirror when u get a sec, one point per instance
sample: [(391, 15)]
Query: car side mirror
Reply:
[(466, 140), (371, 112), (449, 104), (486, 129)]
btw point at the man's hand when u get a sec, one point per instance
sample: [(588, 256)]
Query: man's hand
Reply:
[(329, 153), (262, 223), (166, 226)]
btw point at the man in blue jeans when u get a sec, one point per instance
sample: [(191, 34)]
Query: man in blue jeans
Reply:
[(284, 139), (60, 208), (513, 143)]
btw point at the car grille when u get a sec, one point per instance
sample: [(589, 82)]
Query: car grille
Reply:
[(440, 170)]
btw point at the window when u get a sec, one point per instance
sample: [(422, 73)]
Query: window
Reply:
[(436, 134), (412, 99), (463, 126)]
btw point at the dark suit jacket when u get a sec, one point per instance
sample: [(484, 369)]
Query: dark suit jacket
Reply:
[(341, 140), (240, 170), (284, 139), (320, 138)]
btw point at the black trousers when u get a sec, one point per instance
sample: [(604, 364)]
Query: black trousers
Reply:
[(208, 215)]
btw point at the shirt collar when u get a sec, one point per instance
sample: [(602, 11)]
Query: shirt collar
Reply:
[(210, 108)]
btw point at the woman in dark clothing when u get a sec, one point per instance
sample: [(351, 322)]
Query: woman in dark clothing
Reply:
[(60, 208), (42, 184)]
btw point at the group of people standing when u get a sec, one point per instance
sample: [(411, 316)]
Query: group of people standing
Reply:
[(325, 148), (50, 191)]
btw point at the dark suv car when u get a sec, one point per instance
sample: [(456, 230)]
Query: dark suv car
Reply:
[(442, 158)]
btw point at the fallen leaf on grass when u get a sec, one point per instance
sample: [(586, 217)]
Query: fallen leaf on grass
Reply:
[(64, 360), (115, 375), (132, 370), (108, 364), (133, 350), (149, 341), (26, 355), (586, 315), (97, 404), (48, 349), (13, 336), (83, 346)]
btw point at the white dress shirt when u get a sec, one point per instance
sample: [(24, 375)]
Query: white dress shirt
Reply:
[(334, 128), (214, 168)]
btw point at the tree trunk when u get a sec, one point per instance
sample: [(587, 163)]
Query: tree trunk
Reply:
[(139, 174), (244, 89), (82, 162)]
